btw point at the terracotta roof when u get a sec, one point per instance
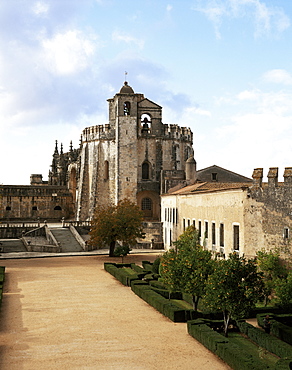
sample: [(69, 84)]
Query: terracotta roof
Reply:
[(210, 187)]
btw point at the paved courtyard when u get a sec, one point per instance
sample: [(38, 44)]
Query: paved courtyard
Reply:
[(68, 313)]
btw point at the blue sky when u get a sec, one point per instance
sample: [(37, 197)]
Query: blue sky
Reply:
[(221, 67)]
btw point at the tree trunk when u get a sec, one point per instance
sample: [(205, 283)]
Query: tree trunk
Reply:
[(112, 248), (195, 302), (226, 316)]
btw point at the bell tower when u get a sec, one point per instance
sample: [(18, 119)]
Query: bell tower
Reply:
[(123, 114)]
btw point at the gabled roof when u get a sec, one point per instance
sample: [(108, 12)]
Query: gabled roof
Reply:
[(216, 168), (148, 103)]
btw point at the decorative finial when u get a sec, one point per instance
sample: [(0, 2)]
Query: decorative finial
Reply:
[(56, 148)]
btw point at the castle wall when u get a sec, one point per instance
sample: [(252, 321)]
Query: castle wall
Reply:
[(35, 202)]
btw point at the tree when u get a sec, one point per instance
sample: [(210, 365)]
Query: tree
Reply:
[(233, 288), (283, 289), (187, 267), (120, 223), (122, 251), (270, 265)]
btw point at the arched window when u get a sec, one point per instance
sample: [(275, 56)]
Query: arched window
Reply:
[(145, 123), (145, 171), (127, 108), (146, 204), (8, 208), (34, 208), (57, 208), (106, 170)]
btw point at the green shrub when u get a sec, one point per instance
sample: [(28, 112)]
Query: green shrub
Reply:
[(283, 364), (147, 265), (155, 266)]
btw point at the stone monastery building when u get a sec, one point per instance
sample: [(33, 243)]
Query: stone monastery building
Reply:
[(136, 156)]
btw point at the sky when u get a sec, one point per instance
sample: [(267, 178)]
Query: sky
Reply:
[(221, 67)]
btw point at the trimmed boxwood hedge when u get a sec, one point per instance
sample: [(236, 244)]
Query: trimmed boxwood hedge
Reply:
[(264, 340), (161, 304), (229, 352), (278, 329)]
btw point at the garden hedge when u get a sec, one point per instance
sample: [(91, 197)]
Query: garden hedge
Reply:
[(229, 352), (278, 329)]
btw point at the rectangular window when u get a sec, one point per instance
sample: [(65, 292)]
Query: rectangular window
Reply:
[(286, 233), (206, 229), (184, 224), (214, 176), (213, 233), (165, 214), (189, 222), (176, 215), (173, 215), (170, 214), (194, 223), (221, 235), (236, 237), (200, 229)]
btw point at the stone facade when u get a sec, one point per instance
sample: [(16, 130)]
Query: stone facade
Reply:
[(134, 156), (241, 217), (33, 202)]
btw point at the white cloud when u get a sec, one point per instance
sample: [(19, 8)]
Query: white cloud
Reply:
[(258, 135), (69, 52), (169, 8), (248, 95), (120, 36), (40, 8), (279, 76), (267, 19)]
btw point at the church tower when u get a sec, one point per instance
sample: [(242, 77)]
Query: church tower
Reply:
[(134, 156)]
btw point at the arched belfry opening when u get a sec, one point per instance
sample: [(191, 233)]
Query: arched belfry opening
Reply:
[(145, 123), (127, 108)]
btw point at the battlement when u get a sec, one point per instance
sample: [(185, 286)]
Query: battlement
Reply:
[(272, 177), (97, 132), (177, 132)]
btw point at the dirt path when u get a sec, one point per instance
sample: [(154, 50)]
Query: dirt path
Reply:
[(68, 313)]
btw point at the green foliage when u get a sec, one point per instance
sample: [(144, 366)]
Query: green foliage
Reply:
[(283, 289), (155, 266), (122, 223), (187, 268), (122, 251), (270, 265), (234, 287)]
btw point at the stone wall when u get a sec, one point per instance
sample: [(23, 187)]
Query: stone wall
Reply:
[(35, 202)]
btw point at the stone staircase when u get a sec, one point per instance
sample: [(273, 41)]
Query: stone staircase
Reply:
[(66, 240)]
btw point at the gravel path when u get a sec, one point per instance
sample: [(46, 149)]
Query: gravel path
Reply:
[(68, 313)]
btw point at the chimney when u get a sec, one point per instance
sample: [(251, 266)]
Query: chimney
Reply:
[(191, 170)]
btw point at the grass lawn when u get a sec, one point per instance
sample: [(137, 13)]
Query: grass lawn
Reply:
[(247, 345)]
